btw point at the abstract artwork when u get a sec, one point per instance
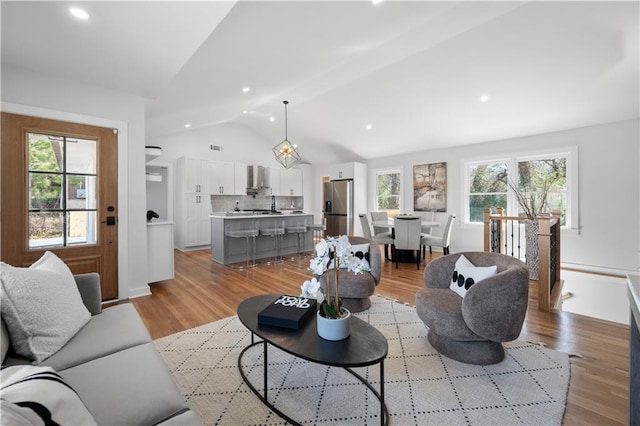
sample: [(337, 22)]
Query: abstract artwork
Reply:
[(430, 187)]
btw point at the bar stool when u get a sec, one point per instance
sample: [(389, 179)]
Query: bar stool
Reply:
[(318, 231), (248, 230), (298, 227), (274, 229)]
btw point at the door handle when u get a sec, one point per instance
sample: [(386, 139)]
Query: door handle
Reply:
[(111, 221)]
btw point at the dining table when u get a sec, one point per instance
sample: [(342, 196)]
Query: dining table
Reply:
[(389, 224)]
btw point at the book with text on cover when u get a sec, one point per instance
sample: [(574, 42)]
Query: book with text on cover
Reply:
[(288, 311)]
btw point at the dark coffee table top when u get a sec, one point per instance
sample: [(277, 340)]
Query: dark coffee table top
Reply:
[(365, 346)]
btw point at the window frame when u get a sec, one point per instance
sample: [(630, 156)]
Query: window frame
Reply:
[(387, 171), (572, 198)]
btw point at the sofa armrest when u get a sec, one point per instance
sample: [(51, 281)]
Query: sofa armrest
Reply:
[(89, 287)]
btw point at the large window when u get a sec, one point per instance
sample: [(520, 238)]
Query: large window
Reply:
[(388, 190), (543, 182)]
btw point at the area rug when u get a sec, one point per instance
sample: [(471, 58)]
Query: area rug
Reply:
[(421, 386)]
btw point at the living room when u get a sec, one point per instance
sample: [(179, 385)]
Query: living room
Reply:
[(604, 235)]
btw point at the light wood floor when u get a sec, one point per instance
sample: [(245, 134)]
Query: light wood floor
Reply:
[(204, 291)]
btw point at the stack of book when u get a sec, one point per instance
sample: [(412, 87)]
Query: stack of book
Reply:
[(288, 312)]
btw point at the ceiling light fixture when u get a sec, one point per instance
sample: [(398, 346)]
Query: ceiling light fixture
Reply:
[(286, 152), (484, 98), (187, 125), (246, 89), (368, 127), (79, 13)]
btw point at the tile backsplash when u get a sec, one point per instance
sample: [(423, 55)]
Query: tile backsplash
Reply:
[(227, 203)]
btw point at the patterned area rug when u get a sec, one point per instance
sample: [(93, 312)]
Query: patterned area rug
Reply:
[(421, 386)]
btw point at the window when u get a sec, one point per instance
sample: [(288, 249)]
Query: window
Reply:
[(62, 191), (388, 190), (492, 183)]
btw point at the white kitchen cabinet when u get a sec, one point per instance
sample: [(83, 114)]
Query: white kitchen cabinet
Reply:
[(291, 182), (197, 228), (196, 175), (192, 203), (240, 183), (274, 180), (342, 171), (160, 251), (222, 178)]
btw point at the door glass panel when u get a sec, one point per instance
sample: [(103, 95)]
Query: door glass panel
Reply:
[(45, 191), (57, 218), (45, 229), (82, 228), (45, 153), (81, 156)]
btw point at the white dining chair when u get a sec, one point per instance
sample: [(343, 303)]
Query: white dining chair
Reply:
[(382, 233), (440, 241), (382, 239), (407, 236)]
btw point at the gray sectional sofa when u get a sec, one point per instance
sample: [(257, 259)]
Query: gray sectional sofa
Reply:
[(113, 366)]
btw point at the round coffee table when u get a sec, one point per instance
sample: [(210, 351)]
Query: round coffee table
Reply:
[(365, 346)]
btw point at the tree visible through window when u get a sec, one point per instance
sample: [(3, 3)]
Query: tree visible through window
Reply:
[(388, 191), (541, 183)]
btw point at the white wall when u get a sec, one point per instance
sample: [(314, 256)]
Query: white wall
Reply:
[(608, 188), (29, 93)]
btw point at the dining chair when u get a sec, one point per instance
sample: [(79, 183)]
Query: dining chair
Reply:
[(439, 241), (407, 236), (381, 239), (382, 232)]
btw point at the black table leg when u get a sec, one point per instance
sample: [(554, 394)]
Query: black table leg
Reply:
[(382, 410), (265, 370)]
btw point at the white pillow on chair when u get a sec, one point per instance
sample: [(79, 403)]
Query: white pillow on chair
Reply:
[(466, 274)]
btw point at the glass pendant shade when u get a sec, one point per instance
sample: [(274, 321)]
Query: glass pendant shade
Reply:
[(286, 152)]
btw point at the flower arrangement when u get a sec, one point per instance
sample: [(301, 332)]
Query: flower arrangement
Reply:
[(533, 203), (332, 253)]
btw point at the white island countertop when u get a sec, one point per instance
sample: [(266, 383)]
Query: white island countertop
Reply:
[(248, 214)]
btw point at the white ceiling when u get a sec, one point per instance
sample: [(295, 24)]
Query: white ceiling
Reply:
[(414, 70)]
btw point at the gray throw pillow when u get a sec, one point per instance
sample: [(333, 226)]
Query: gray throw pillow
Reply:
[(41, 307)]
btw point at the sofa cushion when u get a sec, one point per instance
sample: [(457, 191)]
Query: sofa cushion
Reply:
[(466, 274), (38, 395), (41, 306), (130, 387), (116, 328), (440, 309)]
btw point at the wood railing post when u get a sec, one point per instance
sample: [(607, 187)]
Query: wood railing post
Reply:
[(487, 230), (544, 246)]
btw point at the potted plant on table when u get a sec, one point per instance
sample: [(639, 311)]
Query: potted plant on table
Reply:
[(332, 254)]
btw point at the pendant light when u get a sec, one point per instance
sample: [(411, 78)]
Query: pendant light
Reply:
[(286, 152)]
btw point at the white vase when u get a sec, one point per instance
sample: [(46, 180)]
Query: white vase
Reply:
[(334, 329)]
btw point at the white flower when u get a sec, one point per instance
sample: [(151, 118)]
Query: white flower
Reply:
[(311, 290), (317, 265), (322, 248), (357, 265)]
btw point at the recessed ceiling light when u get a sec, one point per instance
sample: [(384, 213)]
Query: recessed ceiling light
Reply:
[(484, 98), (272, 119), (245, 112), (368, 127), (376, 1), (79, 13), (246, 89), (187, 125)]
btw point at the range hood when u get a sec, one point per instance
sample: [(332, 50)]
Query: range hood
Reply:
[(257, 179)]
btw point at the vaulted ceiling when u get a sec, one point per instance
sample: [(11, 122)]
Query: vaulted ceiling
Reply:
[(363, 79)]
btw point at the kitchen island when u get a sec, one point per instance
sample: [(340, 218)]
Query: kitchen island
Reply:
[(232, 250)]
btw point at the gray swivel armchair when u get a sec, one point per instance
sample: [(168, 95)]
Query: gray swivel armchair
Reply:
[(470, 329), (355, 289)]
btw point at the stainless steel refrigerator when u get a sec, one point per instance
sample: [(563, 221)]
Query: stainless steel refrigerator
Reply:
[(338, 207)]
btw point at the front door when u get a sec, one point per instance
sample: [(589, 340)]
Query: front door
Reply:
[(59, 193)]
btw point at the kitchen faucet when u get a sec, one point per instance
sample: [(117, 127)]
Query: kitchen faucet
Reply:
[(273, 204)]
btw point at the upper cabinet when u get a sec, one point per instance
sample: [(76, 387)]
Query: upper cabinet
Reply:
[(285, 182), (193, 176), (291, 182), (342, 171), (240, 184), (222, 178)]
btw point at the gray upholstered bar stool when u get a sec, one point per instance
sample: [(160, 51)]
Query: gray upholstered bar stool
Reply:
[(297, 226), (249, 230), (275, 229)]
